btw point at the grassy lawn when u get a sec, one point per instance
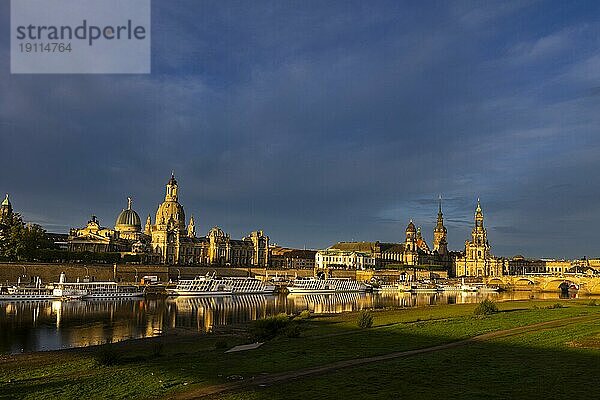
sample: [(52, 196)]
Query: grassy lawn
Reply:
[(546, 364), (144, 369)]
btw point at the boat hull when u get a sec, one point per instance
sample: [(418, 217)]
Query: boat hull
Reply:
[(9, 297), (113, 295), (176, 292)]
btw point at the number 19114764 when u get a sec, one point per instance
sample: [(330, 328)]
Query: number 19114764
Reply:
[(54, 47)]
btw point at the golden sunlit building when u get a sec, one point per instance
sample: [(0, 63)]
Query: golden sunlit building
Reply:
[(169, 240), (477, 259)]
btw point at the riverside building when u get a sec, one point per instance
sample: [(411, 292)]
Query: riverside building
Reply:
[(414, 251), (169, 239)]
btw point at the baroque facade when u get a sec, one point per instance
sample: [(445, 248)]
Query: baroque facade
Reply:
[(170, 240), (477, 259)]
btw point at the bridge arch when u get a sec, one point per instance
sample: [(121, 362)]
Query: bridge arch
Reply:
[(524, 282), (562, 284), (495, 281)]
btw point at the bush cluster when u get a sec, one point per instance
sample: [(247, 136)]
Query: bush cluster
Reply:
[(486, 307), (365, 319), (554, 306), (302, 316), (278, 325)]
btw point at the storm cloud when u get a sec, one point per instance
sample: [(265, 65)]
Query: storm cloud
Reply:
[(321, 122)]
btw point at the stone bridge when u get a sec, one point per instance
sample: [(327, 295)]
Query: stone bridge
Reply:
[(587, 284)]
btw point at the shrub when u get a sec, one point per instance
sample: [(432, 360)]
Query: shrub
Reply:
[(365, 319), (486, 307), (592, 303), (302, 316), (554, 306), (268, 328), (107, 356)]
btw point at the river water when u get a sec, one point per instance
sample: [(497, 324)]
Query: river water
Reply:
[(51, 325)]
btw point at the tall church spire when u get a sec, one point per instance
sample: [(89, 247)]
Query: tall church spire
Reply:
[(478, 215), (440, 232)]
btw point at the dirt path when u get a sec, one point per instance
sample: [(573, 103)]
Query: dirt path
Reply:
[(284, 376)]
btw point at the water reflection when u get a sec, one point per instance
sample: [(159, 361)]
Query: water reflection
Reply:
[(48, 325)]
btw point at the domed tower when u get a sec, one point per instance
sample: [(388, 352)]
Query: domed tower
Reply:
[(411, 237), (411, 253), (170, 213), (440, 243), (169, 227), (128, 223), (6, 210)]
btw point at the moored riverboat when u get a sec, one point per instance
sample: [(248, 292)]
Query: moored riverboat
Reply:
[(330, 285), (424, 288), (449, 288), (95, 290), (244, 285), (26, 293), (200, 286), (488, 289), (392, 287)]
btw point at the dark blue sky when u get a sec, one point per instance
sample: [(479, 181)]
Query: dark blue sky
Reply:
[(322, 121)]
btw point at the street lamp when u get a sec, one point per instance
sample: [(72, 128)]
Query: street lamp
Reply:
[(178, 274)]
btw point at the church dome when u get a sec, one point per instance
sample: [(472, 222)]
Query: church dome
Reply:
[(171, 210), (128, 220)]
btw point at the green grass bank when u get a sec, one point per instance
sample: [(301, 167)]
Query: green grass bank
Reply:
[(555, 360)]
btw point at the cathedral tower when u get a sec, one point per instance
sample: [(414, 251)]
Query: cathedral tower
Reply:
[(479, 235), (440, 242)]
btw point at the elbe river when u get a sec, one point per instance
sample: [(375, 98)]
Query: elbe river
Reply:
[(27, 326)]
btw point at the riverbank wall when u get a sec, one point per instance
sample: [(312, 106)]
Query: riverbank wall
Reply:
[(10, 273)]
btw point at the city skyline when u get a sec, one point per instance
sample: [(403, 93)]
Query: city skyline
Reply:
[(427, 236), (327, 122)]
